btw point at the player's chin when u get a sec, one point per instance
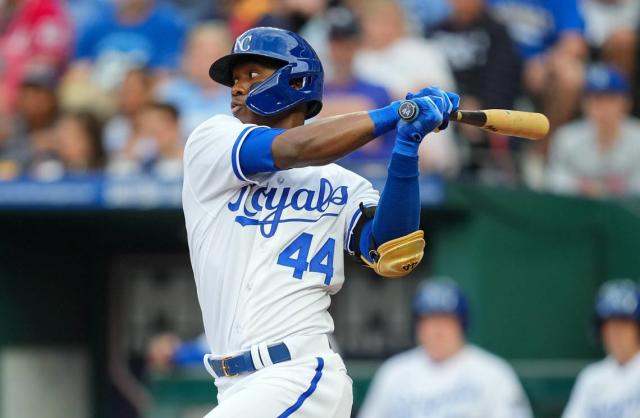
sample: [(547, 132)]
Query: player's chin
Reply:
[(242, 113)]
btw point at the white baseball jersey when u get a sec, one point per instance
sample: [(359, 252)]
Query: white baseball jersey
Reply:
[(266, 250), (472, 384), (607, 389)]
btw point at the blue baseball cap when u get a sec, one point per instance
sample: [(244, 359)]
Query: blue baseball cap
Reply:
[(606, 79), (441, 295), (618, 299)]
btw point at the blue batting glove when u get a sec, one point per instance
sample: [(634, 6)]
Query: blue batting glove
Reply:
[(447, 101), (410, 133)]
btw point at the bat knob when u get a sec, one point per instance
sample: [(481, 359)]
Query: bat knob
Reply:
[(408, 110)]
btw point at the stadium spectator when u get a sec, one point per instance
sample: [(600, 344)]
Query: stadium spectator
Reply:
[(611, 32), (79, 143), (85, 12), (198, 10), (243, 14), (487, 69), (157, 146), (137, 34), (391, 58), (30, 142), (610, 387), (344, 92), (134, 94), (549, 34), (444, 375), (35, 37), (292, 14), (426, 15), (193, 93), (598, 155)]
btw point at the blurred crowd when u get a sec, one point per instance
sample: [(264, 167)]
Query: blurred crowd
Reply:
[(113, 87)]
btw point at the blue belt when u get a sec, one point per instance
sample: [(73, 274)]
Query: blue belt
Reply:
[(242, 363)]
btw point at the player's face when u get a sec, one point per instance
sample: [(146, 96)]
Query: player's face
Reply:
[(621, 338), (246, 75), (441, 335)]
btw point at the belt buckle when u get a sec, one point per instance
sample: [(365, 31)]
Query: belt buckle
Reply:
[(225, 367)]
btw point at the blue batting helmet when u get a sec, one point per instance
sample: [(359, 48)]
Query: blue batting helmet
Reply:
[(441, 296), (618, 299), (275, 94)]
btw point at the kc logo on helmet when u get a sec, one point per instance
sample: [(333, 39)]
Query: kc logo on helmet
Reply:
[(243, 44)]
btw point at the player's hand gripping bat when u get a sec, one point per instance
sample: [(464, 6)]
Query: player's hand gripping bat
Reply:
[(527, 125)]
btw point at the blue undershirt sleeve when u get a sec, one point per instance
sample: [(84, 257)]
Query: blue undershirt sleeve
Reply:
[(398, 211), (255, 153)]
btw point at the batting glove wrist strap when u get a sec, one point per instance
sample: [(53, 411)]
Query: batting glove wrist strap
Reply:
[(385, 118)]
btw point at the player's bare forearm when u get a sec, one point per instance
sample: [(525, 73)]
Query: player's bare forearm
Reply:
[(322, 142)]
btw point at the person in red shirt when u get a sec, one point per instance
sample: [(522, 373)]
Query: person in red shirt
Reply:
[(36, 37)]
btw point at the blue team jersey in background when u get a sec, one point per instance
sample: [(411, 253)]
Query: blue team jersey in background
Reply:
[(154, 42), (536, 25)]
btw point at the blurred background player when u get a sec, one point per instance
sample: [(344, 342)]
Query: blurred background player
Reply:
[(444, 376), (598, 154), (611, 387)]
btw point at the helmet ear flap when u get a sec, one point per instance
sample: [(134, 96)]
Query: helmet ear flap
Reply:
[(276, 94)]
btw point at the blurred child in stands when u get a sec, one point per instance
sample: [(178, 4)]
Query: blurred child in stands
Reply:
[(157, 147), (598, 155), (30, 143), (134, 94), (79, 143)]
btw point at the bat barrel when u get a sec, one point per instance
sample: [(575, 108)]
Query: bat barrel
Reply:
[(507, 122)]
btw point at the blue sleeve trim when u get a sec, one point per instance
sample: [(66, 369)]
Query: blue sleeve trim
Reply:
[(255, 154), (312, 388), (235, 154)]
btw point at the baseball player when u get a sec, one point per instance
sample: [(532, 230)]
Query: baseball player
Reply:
[(611, 387), (444, 376), (268, 218)]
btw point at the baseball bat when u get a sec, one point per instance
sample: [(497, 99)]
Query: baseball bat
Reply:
[(527, 125)]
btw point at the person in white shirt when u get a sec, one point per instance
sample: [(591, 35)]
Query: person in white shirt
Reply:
[(598, 155), (610, 388), (444, 376)]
